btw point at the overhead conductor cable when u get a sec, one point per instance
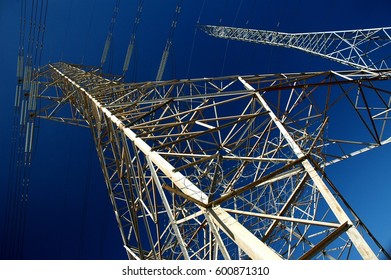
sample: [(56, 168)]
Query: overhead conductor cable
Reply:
[(110, 33), (166, 51), (133, 37)]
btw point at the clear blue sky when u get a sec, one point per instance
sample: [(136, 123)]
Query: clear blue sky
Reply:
[(64, 210)]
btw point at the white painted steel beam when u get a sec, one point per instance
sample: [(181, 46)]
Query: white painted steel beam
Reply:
[(361, 245), (168, 210)]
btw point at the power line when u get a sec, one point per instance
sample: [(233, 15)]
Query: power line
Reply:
[(23, 126), (133, 37), (194, 38), (88, 31), (10, 199), (166, 50), (12, 204), (66, 30), (110, 34), (227, 43)]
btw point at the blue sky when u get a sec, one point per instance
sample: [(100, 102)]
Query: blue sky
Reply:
[(68, 203)]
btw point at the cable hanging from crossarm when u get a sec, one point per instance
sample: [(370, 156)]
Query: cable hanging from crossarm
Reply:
[(11, 188), (110, 34), (167, 48), (133, 37), (31, 38), (22, 163)]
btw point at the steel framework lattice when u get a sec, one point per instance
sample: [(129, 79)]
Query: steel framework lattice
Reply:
[(231, 167), (360, 49)]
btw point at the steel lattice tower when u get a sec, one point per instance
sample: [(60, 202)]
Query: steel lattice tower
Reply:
[(230, 167), (360, 48)]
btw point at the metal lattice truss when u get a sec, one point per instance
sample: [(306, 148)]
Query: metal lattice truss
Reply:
[(232, 167), (362, 49)]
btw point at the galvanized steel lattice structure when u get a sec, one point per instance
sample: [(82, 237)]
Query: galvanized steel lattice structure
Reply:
[(230, 167), (360, 48)]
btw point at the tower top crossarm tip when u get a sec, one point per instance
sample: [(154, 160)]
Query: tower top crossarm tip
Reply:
[(360, 48)]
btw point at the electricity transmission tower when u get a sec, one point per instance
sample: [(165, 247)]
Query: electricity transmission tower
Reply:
[(218, 168), (230, 167), (360, 49)]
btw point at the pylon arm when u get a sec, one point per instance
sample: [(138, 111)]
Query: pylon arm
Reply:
[(360, 49)]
